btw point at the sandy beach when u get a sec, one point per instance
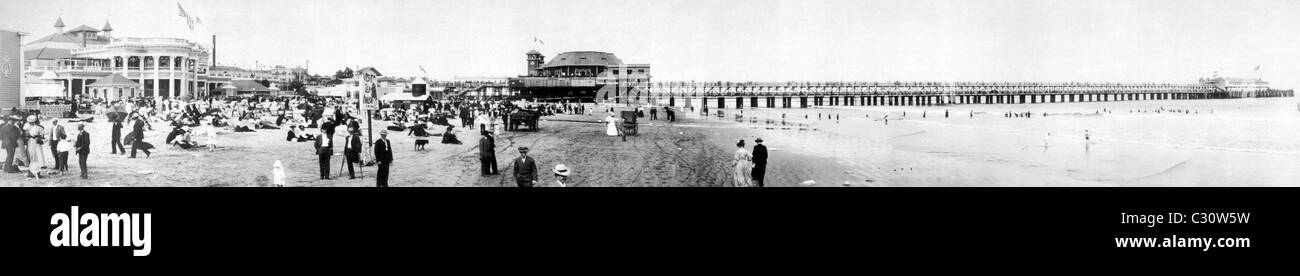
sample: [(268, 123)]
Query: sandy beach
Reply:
[(975, 145), (1235, 142), (689, 152)]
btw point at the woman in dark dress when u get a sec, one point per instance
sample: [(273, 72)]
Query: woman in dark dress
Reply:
[(449, 137)]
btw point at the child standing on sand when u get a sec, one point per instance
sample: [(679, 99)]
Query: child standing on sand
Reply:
[(277, 174)]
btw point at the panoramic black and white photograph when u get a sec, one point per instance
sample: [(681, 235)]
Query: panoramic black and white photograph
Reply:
[(675, 93)]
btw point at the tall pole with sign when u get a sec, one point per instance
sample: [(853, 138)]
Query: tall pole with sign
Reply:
[(364, 104)]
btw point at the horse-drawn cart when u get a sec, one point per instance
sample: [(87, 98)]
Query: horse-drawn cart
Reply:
[(525, 118), (628, 126)]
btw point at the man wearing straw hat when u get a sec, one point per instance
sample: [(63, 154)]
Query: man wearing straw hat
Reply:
[(525, 169), (561, 174)]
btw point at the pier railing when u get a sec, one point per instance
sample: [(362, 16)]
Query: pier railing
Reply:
[(913, 88), (805, 94)]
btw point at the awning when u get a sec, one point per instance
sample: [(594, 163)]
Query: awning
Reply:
[(248, 86), (336, 91), (402, 97)]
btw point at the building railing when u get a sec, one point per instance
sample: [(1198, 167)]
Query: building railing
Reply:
[(70, 68)]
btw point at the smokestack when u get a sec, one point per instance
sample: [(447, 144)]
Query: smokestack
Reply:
[(214, 49)]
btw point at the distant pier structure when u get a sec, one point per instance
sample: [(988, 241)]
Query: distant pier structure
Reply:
[(806, 94)]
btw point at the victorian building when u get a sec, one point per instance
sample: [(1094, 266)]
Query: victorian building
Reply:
[(162, 67)]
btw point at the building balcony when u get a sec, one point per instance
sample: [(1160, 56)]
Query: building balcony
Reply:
[(70, 68)]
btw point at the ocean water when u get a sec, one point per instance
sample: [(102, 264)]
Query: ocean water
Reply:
[(1230, 142)]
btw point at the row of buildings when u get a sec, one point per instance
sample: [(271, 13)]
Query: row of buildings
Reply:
[(575, 76), (70, 63), (85, 62), (88, 62)]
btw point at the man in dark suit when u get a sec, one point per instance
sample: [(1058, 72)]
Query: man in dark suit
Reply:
[(352, 150), (116, 143), (383, 156), (525, 169), (137, 131), (487, 153), (464, 117), (324, 149), (9, 135), (83, 149), (760, 162)]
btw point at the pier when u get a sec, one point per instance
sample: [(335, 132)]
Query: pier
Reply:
[(808, 94)]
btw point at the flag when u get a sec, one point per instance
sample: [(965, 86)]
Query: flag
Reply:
[(180, 11), (422, 69), (1257, 67)]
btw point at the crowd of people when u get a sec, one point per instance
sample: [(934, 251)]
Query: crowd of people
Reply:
[(24, 133), (24, 139), (196, 124)]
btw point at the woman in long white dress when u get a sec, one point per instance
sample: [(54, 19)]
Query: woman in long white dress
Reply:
[(743, 163), (612, 130), (35, 146), (211, 132)]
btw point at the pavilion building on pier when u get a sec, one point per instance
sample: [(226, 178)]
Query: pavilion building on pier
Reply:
[(582, 76)]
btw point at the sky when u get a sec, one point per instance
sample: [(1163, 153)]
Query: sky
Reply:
[(1174, 41)]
